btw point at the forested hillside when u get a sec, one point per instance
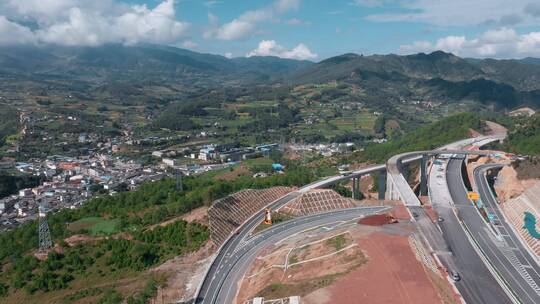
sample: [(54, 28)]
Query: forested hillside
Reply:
[(119, 241), (446, 130), (9, 123), (525, 137)]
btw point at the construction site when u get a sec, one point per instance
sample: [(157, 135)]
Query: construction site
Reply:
[(381, 253)]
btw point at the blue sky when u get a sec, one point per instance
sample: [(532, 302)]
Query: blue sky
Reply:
[(300, 29)]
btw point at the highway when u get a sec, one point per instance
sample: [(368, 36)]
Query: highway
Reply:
[(213, 276), (503, 257), (219, 273), (477, 284), (230, 245), (448, 240), (399, 188), (338, 178), (526, 271), (223, 287)]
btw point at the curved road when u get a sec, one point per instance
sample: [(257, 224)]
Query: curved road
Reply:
[(215, 274), (447, 239), (223, 287), (210, 291), (499, 241)]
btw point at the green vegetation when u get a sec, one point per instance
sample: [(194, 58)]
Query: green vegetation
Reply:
[(147, 293), (3, 290), (11, 184), (111, 296), (179, 235), (280, 290), (94, 226), (179, 116), (524, 138), (131, 213), (338, 242), (8, 124), (81, 294), (446, 130), (293, 259), (168, 96)]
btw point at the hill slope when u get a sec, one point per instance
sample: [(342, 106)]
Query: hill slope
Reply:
[(131, 62), (435, 76)]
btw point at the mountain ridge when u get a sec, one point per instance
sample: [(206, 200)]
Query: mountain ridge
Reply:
[(118, 71)]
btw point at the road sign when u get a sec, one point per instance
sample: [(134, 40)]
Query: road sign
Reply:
[(473, 196)]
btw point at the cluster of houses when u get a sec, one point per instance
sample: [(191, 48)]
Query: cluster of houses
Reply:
[(68, 182), (323, 149), (210, 157)]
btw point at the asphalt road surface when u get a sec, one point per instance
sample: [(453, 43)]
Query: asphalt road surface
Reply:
[(215, 276), (230, 245), (244, 231), (501, 256), (509, 242), (477, 284), (224, 282)]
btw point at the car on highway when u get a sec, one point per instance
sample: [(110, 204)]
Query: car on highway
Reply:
[(455, 276), (440, 219), (346, 173)]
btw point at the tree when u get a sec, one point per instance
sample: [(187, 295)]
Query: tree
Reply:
[(276, 156), (3, 290), (111, 296)]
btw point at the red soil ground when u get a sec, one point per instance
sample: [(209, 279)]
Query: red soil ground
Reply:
[(392, 275), (377, 220)]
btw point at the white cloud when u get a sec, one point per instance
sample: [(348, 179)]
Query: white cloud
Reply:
[(500, 43), (77, 22), (272, 48), (294, 21), (211, 3), (283, 6), (246, 24), (236, 29), (462, 12), (367, 3), (188, 44), (44, 11), (12, 33)]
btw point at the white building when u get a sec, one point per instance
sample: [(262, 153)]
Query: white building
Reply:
[(170, 162)]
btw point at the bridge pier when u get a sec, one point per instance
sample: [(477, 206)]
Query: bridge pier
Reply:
[(356, 187), (391, 189), (353, 188), (423, 175), (381, 186)]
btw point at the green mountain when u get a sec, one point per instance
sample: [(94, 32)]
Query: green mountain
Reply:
[(524, 138), (434, 76), (142, 62), (152, 73), (419, 66)]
